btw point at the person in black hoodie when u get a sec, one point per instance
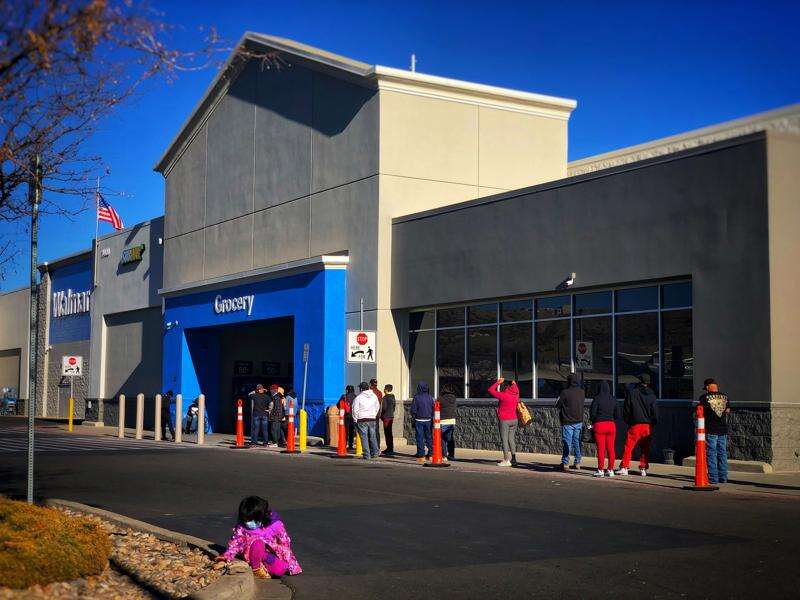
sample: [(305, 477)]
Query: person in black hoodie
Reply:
[(716, 409), (570, 412), (639, 413), (447, 408), (388, 403), (603, 414)]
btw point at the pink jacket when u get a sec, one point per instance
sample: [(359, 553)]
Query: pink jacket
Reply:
[(274, 537), (507, 406)]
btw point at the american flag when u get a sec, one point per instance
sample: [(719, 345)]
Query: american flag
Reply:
[(106, 212)]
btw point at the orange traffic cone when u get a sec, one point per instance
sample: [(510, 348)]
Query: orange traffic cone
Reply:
[(290, 449), (700, 464), (239, 426), (341, 446), (436, 459)]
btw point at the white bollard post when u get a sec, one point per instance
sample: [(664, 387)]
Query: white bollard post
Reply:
[(157, 419), (121, 420), (201, 418), (178, 418), (139, 416)]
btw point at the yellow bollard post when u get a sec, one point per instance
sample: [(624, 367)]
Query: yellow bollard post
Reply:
[(303, 430), (359, 447), (71, 411)]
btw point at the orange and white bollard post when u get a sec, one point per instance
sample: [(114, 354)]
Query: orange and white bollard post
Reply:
[(701, 462), (341, 445), (290, 445), (239, 425), (436, 459)]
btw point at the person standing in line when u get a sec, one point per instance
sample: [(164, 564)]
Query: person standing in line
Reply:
[(447, 408), (716, 408), (639, 413), (259, 415), (570, 405), (275, 415), (507, 395), (166, 416), (285, 421), (422, 413), (365, 408), (346, 402), (603, 413), (373, 385), (387, 418)]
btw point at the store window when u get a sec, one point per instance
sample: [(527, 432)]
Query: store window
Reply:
[(516, 356), (593, 352), (481, 360), (553, 363), (450, 317), (676, 331), (421, 348), (616, 335), (637, 351), (450, 360), (482, 314)]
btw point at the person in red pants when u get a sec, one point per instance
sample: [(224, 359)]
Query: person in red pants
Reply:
[(604, 412), (641, 417)]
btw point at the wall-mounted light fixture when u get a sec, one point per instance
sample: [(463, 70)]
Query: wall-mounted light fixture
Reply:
[(170, 324)]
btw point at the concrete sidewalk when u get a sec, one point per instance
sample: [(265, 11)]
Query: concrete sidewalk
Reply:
[(485, 461)]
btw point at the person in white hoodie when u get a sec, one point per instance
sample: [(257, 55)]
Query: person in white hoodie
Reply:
[(365, 410)]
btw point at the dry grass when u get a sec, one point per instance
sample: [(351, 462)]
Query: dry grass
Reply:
[(42, 545)]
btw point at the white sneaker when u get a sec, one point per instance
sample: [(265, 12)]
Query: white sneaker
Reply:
[(609, 473), (643, 472), (598, 473), (621, 471), (504, 463)]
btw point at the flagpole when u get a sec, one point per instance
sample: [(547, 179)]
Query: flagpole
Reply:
[(96, 230)]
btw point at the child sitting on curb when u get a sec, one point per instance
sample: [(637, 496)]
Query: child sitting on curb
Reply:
[(261, 539)]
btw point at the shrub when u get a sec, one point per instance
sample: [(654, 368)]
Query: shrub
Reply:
[(43, 545)]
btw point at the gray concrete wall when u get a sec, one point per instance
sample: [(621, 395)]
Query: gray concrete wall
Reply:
[(14, 340), (476, 427), (126, 314), (284, 168), (58, 388), (702, 213)]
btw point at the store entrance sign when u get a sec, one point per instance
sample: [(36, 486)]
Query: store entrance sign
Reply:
[(70, 303), (360, 346), (226, 305), (71, 366)]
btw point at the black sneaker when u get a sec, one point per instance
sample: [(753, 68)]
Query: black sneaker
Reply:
[(562, 467), (574, 467)]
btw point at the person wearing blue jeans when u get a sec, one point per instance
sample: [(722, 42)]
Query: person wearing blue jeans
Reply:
[(716, 408), (259, 419), (571, 442), (422, 413), (570, 405)]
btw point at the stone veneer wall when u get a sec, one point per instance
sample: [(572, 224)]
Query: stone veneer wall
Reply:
[(476, 427), (43, 327), (58, 387)]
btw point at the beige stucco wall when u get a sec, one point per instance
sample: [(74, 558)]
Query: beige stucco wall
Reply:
[(439, 148), (783, 169), (14, 331)]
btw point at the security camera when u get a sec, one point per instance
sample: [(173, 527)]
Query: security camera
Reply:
[(569, 280)]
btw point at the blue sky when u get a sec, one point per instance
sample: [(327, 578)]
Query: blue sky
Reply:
[(639, 71)]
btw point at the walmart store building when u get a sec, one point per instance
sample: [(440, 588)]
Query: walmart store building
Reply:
[(295, 194)]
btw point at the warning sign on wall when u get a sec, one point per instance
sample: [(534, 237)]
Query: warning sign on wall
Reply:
[(71, 366), (584, 356), (360, 346)]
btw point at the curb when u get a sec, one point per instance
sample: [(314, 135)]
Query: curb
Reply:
[(237, 583)]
